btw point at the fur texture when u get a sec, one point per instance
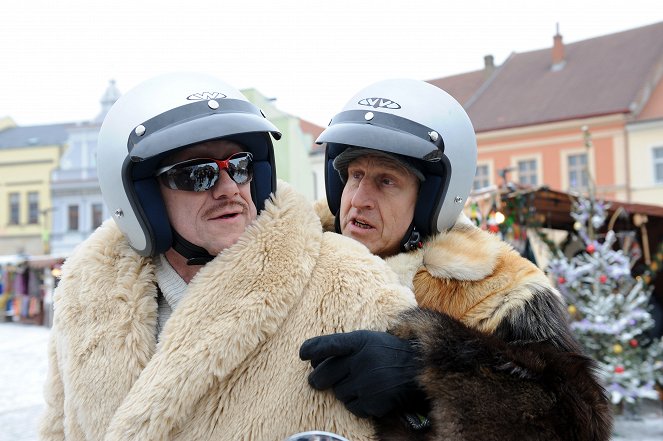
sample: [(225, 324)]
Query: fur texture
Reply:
[(487, 389), (226, 366), (500, 360)]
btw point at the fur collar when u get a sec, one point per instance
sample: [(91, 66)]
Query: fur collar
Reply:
[(464, 252)]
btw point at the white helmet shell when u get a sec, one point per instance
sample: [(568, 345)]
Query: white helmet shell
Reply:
[(415, 119), (158, 117)]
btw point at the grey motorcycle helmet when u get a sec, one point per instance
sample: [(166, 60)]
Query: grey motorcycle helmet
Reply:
[(413, 119), (157, 118)]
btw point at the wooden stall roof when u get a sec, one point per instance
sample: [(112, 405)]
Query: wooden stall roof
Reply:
[(556, 206)]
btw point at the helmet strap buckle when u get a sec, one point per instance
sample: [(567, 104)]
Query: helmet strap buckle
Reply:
[(412, 239)]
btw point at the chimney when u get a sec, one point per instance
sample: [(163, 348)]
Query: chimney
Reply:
[(557, 51), (489, 65)]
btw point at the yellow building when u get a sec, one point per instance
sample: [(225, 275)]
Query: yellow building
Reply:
[(27, 157)]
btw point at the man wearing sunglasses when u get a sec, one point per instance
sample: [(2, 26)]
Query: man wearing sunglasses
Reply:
[(181, 318)]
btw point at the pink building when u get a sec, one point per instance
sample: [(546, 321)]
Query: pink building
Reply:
[(529, 114)]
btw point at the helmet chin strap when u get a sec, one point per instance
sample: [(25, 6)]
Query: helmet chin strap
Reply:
[(194, 254)]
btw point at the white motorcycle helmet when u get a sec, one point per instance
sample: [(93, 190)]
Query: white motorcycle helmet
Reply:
[(157, 118), (417, 120)]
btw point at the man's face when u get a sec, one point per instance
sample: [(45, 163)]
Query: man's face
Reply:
[(216, 218), (377, 204)]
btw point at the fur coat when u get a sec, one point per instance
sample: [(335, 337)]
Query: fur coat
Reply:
[(499, 360), (226, 366)]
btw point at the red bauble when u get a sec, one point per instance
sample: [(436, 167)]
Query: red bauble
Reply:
[(619, 369), (590, 248), (603, 278), (633, 342), (493, 228), (561, 280)]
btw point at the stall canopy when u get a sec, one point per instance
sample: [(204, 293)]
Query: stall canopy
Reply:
[(552, 209)]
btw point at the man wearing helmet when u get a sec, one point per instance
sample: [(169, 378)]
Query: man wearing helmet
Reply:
[(181, 318), (490, 348)]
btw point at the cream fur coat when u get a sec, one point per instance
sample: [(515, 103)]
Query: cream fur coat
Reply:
[(226, 366)]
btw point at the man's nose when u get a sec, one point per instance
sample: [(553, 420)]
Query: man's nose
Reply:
[(364, 196), (224, 186)]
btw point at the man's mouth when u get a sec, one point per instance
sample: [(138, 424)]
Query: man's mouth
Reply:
[(228, 216), (361, 224), (226, 211)]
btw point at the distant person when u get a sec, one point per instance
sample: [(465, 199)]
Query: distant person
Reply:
[(490, 355), (181, 318)]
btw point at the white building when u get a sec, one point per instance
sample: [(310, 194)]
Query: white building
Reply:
[(77, 206)]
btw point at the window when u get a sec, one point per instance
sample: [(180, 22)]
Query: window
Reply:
[(14, 208), (527, 173), (658, 165), (481, 177), (578, 178), (92, 149), (97, 215), (72, 212), (33, 207)]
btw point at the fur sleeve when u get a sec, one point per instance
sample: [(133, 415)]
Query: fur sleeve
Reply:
[(52, 421), (482, 388)]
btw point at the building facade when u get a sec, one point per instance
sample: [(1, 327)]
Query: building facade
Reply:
[(571, 116), (28, 155), (316, 158), (292, 150), (78, 208), (645, 142)]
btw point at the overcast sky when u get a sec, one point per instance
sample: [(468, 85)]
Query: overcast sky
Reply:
[(56, 57)]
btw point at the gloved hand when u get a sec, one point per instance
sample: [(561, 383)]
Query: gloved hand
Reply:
[(371, 372)]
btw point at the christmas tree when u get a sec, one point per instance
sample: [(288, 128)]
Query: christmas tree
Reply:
[(609, 308)]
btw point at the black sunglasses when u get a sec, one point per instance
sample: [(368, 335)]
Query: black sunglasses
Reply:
[(200, 174)]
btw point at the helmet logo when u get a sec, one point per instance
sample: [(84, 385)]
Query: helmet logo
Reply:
[(206, 96), (384, 103)]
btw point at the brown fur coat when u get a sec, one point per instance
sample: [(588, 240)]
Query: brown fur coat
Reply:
[(500, 362)]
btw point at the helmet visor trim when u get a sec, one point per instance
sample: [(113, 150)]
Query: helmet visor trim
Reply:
[(194, 123), (384, 131)]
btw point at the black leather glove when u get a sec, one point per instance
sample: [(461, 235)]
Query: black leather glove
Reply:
[(372, 373)]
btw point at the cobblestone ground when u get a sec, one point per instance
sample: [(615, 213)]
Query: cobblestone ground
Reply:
[(23, 370)]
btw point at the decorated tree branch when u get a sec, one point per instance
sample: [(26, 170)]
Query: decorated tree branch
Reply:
[(609, 308)]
